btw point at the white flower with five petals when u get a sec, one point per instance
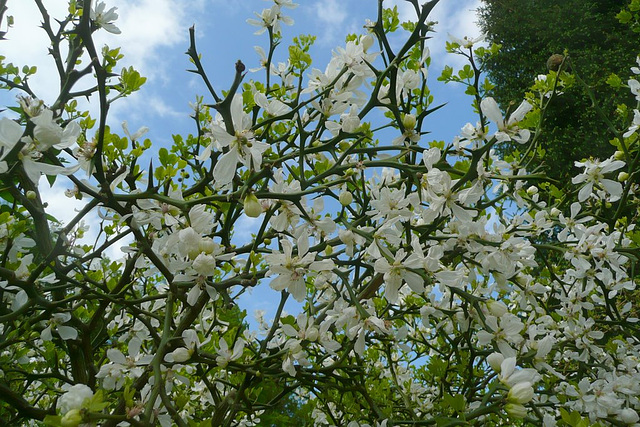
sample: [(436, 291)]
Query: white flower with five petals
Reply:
[(467, 42), (594, 171), (242, 145), (104, 19), (51, 135), (507, 129), (225, 355), (292, 269), (398, 271)]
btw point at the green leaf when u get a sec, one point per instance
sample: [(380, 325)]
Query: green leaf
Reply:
[(614, 81), (487, 85), (573, 419), (97, 403), (6, 195), (163, 156), (390, 19), (53, 420), (555, 192), (457, 402), (446, 74), (299, 52), (288, 320), (452, 46), (130, 81), (635, 237), (119, 143), (624, 16), (409, 26), (299, 59), (466, 72)]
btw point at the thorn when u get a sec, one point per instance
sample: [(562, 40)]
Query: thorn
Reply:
[(150, 183)]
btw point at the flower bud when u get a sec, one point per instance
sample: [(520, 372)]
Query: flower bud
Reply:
[(178, 355), (532, 190), (72, 418), (190, 242), (350, 122), (367, 42), (31, 195), (346, 198), (497, 308), (555, 212), (623, 176), (204, 265), (628, 416), (74, 398), (207, 245), (495, 361), (295, 347), (619, 155), (520, 393), (343, 146), (312, 333), (515, 410), (252, 207), (409, 121)]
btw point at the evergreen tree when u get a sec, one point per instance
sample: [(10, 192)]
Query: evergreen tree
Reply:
[(531, 32)]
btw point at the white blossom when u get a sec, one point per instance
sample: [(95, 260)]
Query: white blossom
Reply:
[(507, 130), (104, 19), (593, 175), (74, 397)]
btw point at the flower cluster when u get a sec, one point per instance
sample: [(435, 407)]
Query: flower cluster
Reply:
[(429, 282)]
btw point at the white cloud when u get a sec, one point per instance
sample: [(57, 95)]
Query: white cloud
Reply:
[(406, 11), (330, 18), (244, 228), (144, 106), (163, 109), (27, 44), (330, 12), (456, 18), (61, 207), (459, 19), (148, 27), (66, 209)]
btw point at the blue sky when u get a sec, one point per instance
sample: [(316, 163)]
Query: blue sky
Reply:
[(155, 36)]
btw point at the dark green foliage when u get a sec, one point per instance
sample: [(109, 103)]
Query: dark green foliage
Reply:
[(289, 412), (530, 31)]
